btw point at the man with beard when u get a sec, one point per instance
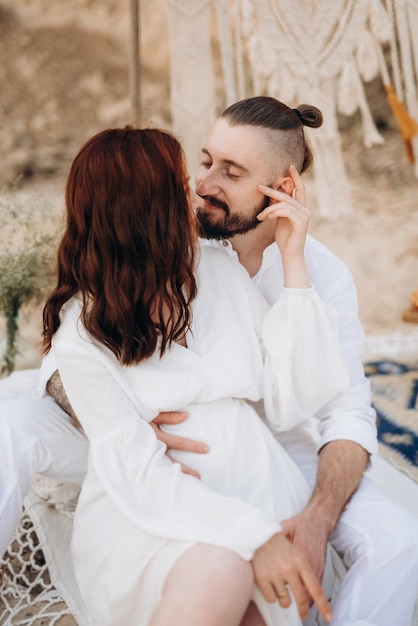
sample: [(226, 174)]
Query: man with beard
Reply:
[(252, 157)]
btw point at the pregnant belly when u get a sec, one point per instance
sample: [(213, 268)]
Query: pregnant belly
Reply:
[(242, 450)]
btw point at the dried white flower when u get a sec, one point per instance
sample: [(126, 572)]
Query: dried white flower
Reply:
[(27, 235)]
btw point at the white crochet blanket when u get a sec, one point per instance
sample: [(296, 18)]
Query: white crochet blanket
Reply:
[(38, 586)]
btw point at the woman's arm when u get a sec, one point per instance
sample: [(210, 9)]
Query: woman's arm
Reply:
[(56, 390), (131, 464)]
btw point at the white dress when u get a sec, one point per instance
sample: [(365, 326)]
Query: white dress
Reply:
[(137, 512)]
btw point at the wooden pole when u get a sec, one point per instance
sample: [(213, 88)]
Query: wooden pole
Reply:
[(135, 77)]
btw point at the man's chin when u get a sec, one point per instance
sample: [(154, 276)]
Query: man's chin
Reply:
[(217, 232), (209, 228), (211, 234), (212, 228)]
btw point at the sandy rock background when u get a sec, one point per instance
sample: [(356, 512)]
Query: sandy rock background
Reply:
[(64, 75)]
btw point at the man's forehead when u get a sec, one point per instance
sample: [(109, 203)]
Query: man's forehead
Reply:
[(232, 143)]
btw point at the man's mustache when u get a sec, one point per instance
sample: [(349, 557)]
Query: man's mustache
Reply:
[(215, 202)]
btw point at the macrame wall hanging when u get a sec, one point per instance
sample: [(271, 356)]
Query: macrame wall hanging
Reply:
[(310, 52), (319, 52), (192, 85), (402, 91)]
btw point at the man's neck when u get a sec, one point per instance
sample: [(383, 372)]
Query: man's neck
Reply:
[(250, 246)]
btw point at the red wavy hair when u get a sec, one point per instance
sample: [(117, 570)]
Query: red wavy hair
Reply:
[(129, 244)]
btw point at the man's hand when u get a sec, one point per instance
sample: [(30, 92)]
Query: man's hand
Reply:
[(173, 442), (292, 221), (291, 214), (309, 537), (282, 571)]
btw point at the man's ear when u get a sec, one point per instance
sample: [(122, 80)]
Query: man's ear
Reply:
[(286, 185)]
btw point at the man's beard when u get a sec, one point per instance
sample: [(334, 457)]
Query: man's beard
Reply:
[(229, 225)]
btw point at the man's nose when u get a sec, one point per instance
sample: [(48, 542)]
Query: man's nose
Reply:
[(206, 184)]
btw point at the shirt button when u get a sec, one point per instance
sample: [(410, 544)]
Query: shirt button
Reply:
[(225, 242)]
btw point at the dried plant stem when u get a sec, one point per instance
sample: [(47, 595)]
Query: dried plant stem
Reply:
[(12, 328)]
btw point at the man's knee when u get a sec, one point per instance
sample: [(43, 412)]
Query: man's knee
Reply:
[(375, 527), (396, 537), (32, 417), (17, 421), (36, 433)]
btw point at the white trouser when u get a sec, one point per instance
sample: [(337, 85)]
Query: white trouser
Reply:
[(36, 437), (378, 542), (377, 539)]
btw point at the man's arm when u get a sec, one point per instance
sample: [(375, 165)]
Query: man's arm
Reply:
[(346, 424), (340, 468), (55, 389), (347, 431)]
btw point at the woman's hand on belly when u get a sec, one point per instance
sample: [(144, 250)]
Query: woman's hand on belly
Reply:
[(176, 442)]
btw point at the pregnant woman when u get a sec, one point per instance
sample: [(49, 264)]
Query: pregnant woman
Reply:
[(143, 321)]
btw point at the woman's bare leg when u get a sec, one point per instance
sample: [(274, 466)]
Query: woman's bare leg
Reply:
[(206, 586)]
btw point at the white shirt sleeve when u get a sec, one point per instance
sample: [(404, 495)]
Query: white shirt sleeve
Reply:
[(349, 415), (304, 364), (130, 462)]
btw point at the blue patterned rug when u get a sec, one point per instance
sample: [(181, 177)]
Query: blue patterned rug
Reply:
[(395, 398)]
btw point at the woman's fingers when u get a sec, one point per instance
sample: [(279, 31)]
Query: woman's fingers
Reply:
[(170, 417), (176, 442), (185, 468), (283, 575)]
